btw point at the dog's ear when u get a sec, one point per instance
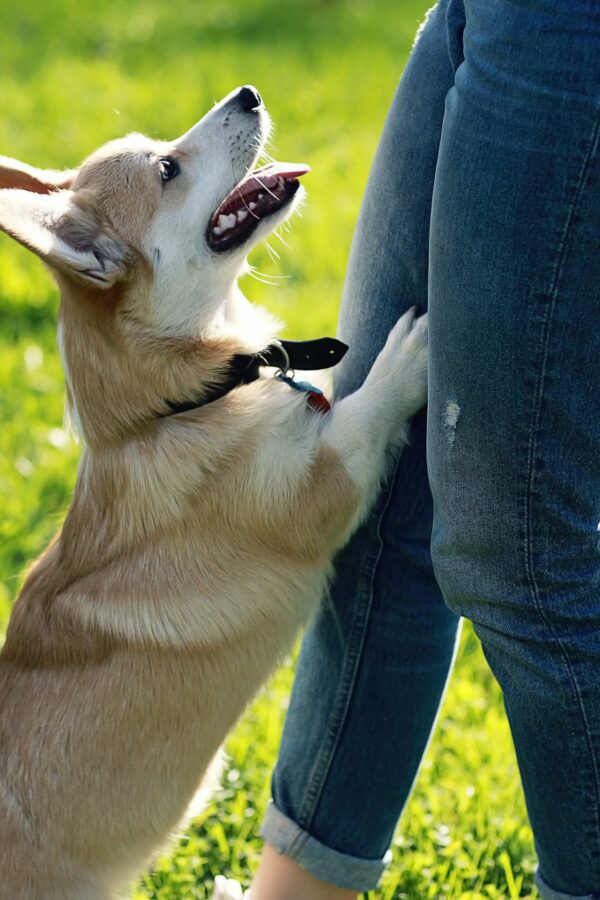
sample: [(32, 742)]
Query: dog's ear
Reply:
[(68, 232), (15, 174)]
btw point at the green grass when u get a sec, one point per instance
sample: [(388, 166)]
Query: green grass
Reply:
[(75, 74)]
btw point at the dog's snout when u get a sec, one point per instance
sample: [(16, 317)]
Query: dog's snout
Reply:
[(249, 98)]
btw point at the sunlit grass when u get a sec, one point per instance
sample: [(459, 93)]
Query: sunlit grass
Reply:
[(76, 74)]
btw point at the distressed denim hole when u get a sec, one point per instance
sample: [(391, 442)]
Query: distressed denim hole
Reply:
[(451, 417)]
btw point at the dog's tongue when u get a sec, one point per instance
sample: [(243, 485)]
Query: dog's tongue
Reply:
[(267, 176), (291, 170)]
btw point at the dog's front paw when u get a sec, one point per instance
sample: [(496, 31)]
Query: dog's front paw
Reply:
[(413, 365), (402, 364)]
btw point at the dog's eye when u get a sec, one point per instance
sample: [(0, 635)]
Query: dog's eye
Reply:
[(169, 168)]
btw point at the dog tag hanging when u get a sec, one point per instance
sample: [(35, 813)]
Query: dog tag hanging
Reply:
[(314, 397)]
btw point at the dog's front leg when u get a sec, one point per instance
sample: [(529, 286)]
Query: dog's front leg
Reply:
[(365, 426)]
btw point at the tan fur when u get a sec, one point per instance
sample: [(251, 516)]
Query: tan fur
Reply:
[(194, 548), (15, 174)]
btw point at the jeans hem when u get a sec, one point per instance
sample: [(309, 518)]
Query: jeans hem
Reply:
[(321, 861), (548, 893)]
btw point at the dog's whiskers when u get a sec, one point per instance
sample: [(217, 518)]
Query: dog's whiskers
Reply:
[(265, 188), (265, 278), (272, 253), (247, 172), (280, 237), (267, 275)]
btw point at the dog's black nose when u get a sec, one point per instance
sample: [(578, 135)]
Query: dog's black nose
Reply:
[(249, 98)]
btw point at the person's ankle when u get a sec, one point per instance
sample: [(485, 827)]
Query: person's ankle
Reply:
[(280, 878)]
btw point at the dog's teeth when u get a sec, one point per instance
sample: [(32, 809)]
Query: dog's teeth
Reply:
[(252, 205), (226, 222), (242, 214), (260, 196), (217, 230)]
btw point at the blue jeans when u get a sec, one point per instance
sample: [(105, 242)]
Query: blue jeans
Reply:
[(484, 205)]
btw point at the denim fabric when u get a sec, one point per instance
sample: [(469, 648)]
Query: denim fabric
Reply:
[(322, 861), (484, 205)]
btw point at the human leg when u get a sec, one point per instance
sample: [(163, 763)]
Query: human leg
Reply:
[(514, 412), (375, 661), (281, 878)]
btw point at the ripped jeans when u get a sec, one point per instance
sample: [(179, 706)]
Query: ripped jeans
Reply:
[(483, 205)]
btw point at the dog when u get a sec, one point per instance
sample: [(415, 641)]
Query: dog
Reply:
[(212, 494)]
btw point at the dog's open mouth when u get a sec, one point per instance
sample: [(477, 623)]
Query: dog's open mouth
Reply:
[(260, 194)]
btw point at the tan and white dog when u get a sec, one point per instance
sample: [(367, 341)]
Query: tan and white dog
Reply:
[(197, 542)]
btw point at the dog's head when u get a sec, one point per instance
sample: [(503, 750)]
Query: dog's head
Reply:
[(178, 216), (147, 239)]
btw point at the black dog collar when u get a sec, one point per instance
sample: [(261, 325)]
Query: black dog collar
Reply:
[(322, 353)]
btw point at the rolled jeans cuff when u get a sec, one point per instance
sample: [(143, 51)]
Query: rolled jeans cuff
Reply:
[(548, 893), (321, 861)]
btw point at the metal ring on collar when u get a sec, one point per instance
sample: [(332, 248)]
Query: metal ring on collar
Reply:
[(285, 368)]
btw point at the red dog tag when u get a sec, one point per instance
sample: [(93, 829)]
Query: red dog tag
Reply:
[(318, 402)]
